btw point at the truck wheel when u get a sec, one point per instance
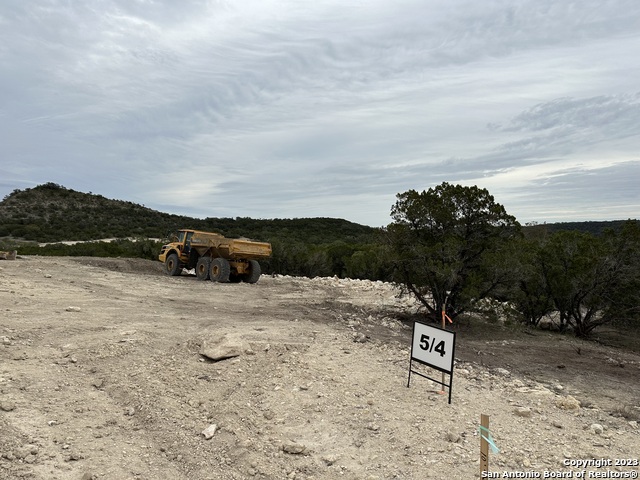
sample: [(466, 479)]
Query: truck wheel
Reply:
[(219, 270), (202, 268), (172, 265), (254, 272)]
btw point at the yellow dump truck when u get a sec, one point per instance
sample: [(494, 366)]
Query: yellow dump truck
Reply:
[(214, 256)]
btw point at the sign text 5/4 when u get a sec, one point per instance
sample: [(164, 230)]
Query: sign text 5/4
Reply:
[(432, 346)]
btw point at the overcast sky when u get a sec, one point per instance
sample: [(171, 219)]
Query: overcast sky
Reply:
[(306, 108)]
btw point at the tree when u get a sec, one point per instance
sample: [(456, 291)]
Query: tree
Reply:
[(529, 295), (446, 245), (592, 280), (624, 305)]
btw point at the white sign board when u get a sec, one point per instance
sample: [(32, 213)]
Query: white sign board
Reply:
[(433, 346)]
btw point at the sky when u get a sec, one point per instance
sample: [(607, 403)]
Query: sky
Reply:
[(323, 108)]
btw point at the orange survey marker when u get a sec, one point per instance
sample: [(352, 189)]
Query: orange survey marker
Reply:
[(444, 316)]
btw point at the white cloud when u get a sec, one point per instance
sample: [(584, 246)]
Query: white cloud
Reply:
[(320, 108)]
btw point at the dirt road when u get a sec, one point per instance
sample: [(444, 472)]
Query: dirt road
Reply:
[(102, 377)]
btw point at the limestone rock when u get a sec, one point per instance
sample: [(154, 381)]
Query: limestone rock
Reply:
[(524, 412), (220, 348), (294, 448), (453, 437), (359, 338), (8, 255), (330, 459), (568, 403), (210, 431)]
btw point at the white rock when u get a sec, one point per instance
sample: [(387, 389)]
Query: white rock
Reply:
[(523, 412), (73, 309), (219, 348), (294, 448), (359, 337), (330, 459), (453, 437), (568, 403), (596, 428), (210, 431)]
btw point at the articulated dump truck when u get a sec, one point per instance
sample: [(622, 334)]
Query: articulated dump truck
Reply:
[(214, 256)]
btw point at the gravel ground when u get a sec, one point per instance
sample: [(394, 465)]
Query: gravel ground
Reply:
[(102, 377)]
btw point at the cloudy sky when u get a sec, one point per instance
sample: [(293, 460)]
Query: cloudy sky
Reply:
[(300, 108)]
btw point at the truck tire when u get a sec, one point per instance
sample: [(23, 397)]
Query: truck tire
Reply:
[(202, 268), (172, 265), (254, 272), (219, 270)]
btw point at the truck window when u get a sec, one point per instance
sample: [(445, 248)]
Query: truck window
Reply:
[(181, 237)]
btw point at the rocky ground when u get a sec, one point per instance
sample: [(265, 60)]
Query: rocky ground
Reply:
[(102, 377)]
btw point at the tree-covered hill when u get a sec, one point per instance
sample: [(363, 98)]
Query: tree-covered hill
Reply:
[(592, 227), (53, 213)]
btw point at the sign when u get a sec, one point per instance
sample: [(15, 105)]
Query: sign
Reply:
[(434, 347)]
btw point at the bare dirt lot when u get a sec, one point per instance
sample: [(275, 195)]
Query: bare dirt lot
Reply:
[(102, 377)]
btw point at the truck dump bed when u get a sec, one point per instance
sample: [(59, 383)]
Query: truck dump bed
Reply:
[(231, 248)]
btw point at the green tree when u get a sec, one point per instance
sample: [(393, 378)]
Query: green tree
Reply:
[(529, 294), (369, 262), (445, 244), (593, 280), (623, 299)]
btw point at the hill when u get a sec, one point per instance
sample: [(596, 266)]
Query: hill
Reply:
[(53, 213), (592, 227)]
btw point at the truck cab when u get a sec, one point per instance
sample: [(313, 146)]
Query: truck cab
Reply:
[(181, 247)]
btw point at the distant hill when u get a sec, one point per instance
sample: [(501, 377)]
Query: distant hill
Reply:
[(595, 228), (53, 213)]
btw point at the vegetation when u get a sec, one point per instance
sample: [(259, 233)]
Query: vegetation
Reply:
[(447, 244), (589, 280), (141, 248), (52, 213), (453, 247), (450, 246)]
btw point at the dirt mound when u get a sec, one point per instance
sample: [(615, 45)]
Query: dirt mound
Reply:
[(124, 265)]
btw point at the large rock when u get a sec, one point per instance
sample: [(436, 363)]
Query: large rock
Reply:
[(210, 431), (294, 448), (568, 403), (220, 347), (8, 255)]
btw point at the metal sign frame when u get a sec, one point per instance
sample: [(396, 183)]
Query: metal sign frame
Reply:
[(442, 341)]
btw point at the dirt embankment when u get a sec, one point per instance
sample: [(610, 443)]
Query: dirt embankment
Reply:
[(102, 377)]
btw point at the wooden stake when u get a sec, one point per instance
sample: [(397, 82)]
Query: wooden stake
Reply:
[(444, 314), (484, 445)]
